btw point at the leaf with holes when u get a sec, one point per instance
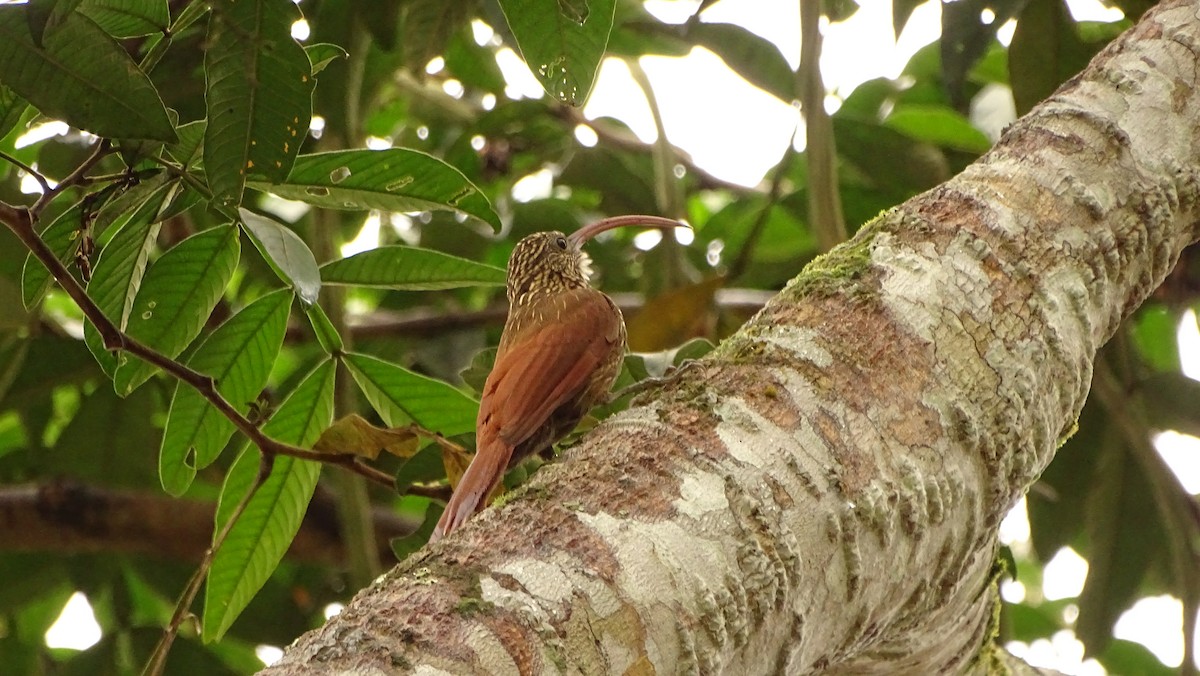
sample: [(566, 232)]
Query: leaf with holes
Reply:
[(286, 253), (258, 93), (120, 268), (79, 74), (265, 530), (178, 293), (408, 268), (402, 397), (562, 41), (396, 179), (238, 356)]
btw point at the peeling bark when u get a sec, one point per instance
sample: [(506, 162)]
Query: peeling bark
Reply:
[(822, 493)]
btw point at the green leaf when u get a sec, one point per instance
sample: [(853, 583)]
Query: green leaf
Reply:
[(187, 149), (1029, 623), (122, 202), (1122, 524), (238, 356), (326, 333), (49, 361), (427, 26), (473, 64), (11, 109), (1169, 400), (95, 446), (1058, 504), (258, 94), (396, 179), (1128, 657), (749, 55), (901, 10), (1153, 332), (407, 544), (119, 271), (264, 531), (402, 397), (475, 374), (177, 295), (409, 268), (1045, 51), (322, 54), (128, 18), (938, 125), (562, 41), (63, 236), (46, 16), (424, 466), (80, 75), (288, 255), (965, 37)]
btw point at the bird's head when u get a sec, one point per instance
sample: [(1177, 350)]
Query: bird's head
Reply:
[(550, 262)]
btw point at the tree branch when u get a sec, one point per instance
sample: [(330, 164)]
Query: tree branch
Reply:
[(890, 405), (70, 517)]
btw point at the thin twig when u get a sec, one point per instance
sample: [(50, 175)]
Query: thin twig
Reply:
[(28, 170), (824, 202), (99, 151), (158, 660)]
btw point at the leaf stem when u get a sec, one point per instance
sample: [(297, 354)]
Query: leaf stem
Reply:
[(27, 169), (73, 179)]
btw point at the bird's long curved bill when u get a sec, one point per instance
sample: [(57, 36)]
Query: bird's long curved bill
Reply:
[(590, 230)]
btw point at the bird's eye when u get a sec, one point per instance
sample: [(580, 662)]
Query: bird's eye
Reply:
[(561, 242)]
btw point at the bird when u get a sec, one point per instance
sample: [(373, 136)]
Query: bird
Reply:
[(560, 351)]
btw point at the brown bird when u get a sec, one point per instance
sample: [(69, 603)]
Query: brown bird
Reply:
[(559, 354)]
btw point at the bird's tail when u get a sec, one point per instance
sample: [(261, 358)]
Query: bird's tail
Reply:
[(477, 483)]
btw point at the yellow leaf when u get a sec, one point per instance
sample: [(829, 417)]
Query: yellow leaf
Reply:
[(353, 434), (455, 459), (675, 316)]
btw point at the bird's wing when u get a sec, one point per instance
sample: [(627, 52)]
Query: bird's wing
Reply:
[(545, 364)]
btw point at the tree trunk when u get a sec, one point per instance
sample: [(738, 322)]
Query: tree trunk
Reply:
[(822, 493)]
